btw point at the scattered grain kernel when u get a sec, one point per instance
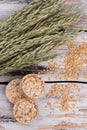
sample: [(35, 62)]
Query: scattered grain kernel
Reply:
[(63, 93)]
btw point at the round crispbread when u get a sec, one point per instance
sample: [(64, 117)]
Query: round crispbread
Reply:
[(14, 91), (32, 86), (25, 111)]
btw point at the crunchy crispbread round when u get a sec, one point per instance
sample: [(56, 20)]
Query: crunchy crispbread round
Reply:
[(25, 111), (32, 86), (14, 91)]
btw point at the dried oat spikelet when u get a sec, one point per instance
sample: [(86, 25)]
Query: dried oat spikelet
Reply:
[(32, 33)]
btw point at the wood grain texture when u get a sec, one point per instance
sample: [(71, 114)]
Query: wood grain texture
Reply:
[(48, 120)]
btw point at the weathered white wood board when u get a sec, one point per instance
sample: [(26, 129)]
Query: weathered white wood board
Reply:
[(48, 120), (72, 118)]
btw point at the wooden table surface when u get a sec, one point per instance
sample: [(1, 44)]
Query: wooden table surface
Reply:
[(58, 119)]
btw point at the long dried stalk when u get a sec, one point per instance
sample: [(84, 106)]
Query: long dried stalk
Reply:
[(29, 36)]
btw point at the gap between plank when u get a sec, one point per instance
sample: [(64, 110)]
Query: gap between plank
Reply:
[(47, 82)]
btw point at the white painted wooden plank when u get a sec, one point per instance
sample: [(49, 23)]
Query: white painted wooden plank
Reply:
[(7, 9), (78, 117), (46, 119), (61, 51)]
